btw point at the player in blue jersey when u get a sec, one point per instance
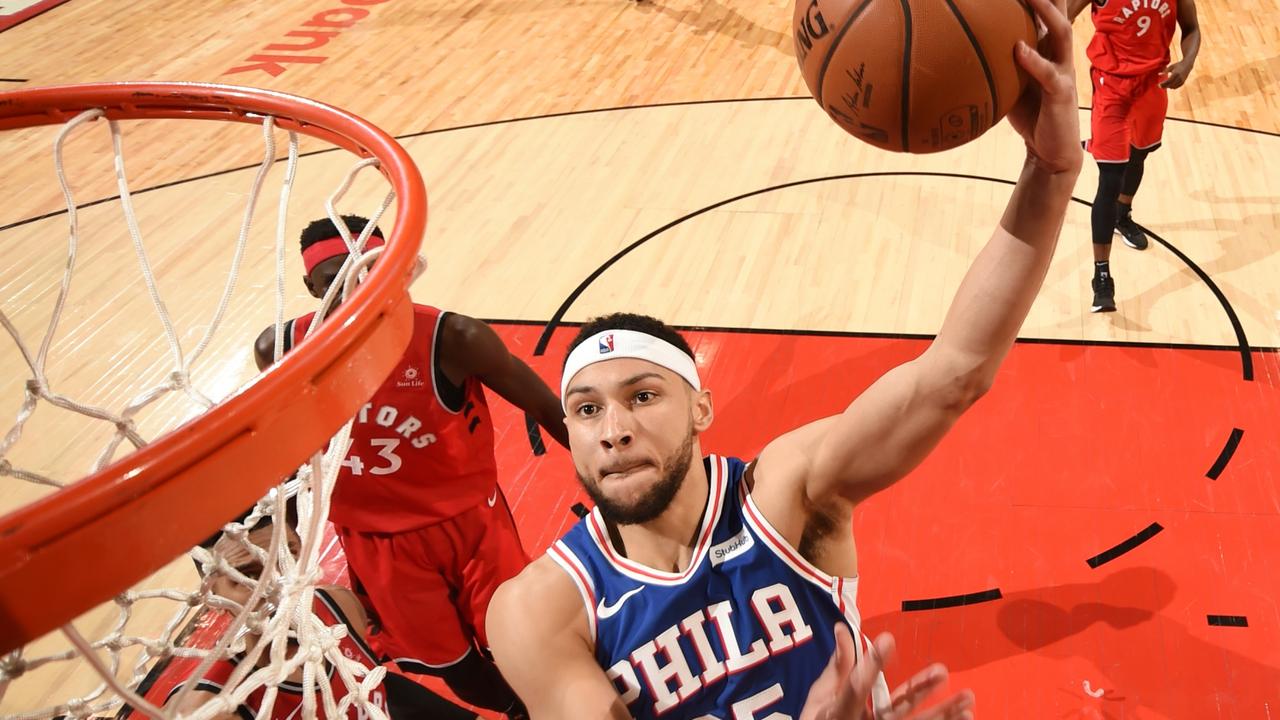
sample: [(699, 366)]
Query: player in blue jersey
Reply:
[(708, 588)]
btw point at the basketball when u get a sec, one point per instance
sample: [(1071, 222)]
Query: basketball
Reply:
[(917, 76)]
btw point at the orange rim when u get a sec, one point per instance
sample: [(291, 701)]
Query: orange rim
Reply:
[(77, 547)]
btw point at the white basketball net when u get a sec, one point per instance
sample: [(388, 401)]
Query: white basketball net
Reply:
[(279, 608)]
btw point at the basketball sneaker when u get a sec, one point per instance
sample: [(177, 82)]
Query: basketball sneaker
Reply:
[(1131, 233), (1104, 294)]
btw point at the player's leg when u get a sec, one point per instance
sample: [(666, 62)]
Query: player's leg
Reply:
[(421, 630), (1109, 145), (452, 546), (1146, 123), (495, 556), (498, 556), (407, 699)]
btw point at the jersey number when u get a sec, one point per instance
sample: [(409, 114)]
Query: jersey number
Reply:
[(1144, 24), (386, 450), (747, 709)]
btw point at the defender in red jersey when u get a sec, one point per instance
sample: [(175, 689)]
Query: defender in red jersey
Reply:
[(397, 696), (1131, 73), (427, 533)]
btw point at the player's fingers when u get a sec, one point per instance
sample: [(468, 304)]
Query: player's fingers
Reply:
[(1053, 15), (912, 693), (956, 707), (856, 681), (885, 648), (846, 657), (1036, 65)]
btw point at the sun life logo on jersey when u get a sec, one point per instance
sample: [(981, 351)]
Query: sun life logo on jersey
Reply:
[(606, 344), (410, 378)]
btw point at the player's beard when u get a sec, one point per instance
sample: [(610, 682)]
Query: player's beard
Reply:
[(656, 499)]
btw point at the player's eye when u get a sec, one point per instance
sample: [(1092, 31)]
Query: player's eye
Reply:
[(645, 396), (587, 410)]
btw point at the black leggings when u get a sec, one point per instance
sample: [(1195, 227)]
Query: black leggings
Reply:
[(1103, 216), (407, 699), (1134, 169)]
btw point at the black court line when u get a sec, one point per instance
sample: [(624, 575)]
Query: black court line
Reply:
[(535, 436), (545, 116), (12, 80), (1229, 620), (951, 601), (1105, 557), (874, 335), (1225, 456), (556, 318), (1246, 360)]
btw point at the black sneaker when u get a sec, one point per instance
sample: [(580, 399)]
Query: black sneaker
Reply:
[(1104, 294), (1132, 234)]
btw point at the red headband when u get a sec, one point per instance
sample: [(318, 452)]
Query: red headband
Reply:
[(317, 253)]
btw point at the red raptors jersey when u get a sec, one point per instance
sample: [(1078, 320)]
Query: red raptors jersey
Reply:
[(288, 702), (1132, 37), (418, 457)]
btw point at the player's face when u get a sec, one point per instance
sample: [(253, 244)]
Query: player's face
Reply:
[(632, 426), (243, 560), (322, 276)]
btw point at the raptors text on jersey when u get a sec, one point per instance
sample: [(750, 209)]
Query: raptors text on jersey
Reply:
[(421, 451), (1132, 37)]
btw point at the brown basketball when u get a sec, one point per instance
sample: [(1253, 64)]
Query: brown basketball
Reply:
[(915, 76)]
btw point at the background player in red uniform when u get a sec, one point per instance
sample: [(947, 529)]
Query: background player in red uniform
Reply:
[(398, 696), (427, 533), (1131, 73)]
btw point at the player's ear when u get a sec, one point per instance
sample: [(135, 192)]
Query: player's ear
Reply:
[(703, 410), (311, 288)]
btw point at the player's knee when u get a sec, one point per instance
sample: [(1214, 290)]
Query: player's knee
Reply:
[(1110, 180), (1138, 156)]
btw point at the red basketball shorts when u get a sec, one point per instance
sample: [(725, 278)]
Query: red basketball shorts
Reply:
[(430, 588), (1127, 111)]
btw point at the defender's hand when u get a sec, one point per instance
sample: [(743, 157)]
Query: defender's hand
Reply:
[(1046, 116)]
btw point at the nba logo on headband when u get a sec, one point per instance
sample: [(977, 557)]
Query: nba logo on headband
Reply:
[(619, 344)]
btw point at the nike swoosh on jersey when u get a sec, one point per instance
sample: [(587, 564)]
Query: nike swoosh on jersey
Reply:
[(493, 500), (604, 610)]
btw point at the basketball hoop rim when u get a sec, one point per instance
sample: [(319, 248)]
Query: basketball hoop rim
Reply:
[(77, 547)]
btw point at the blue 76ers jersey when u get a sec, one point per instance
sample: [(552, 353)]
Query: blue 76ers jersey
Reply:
[(740, 635)]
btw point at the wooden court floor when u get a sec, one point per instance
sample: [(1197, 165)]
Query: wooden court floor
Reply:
[(673, 137)]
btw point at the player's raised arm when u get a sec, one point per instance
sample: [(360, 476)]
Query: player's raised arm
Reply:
[(1075, 7), (470, 347), (1189, 23), (540, 640), (895, 423)]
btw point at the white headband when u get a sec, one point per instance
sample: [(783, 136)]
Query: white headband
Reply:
[(614, 344)]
